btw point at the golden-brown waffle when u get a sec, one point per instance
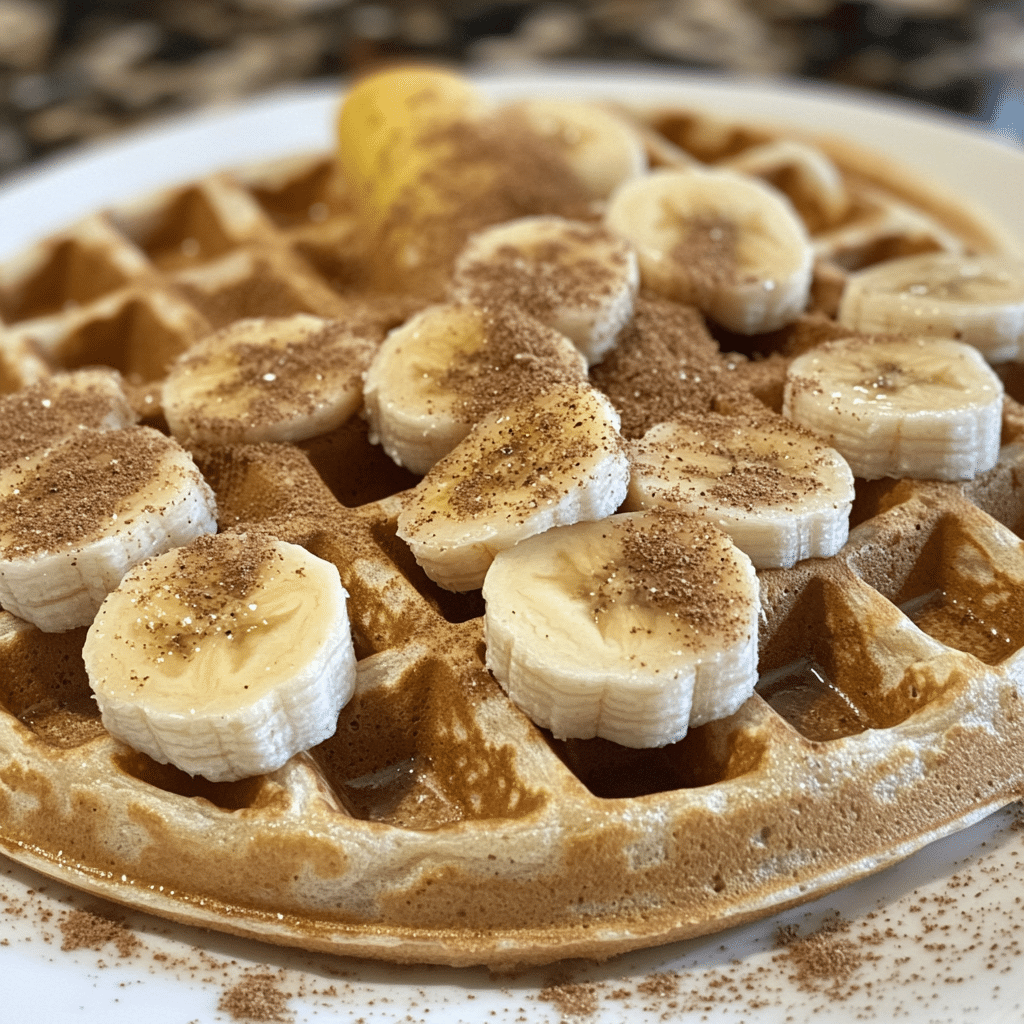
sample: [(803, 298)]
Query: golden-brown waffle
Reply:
[(439, 824)]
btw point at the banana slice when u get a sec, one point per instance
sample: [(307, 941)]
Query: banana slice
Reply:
[(975, 299), (635, 628), (224, 657), (729, 244), (578, 278), (929, 408), (602, 148), (267, 379), (58, 406), (448, 367), (775, 489), (76, 517), (543, 460)]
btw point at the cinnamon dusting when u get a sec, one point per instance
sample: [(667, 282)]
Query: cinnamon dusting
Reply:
[(78, 490), (518, 359), (675, 563), (545, 275), (665, 363)]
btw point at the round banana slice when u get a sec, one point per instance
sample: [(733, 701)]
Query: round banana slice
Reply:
[(56, 407), (634, 628), (578, 278), (225, 657), (729, 244), (448, 367), (545, 460), (267, 379), (929, 408), (602, 148), (775, 489), (975, 299), (75, 517)]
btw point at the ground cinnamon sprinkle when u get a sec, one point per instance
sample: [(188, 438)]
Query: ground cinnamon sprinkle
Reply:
[(576, 999), (84, 929), (256, 998), (823, 961), (665, 363), (706, 255), (673, 562), (213, 574), (46, 505), (518, 359), (546, 275)]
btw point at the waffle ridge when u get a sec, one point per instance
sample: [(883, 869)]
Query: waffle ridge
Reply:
[(439, 824)]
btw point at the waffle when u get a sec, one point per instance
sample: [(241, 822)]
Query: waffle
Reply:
[(439, 824)]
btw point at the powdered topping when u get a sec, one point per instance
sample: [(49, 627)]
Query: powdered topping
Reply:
[(559, 268), (207, 584), (38, 415), (681, 565), (665, 363), (82, 488), (519, 358), (84, 929), (707, 251)]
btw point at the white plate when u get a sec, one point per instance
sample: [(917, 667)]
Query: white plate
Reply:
[(935, 939)]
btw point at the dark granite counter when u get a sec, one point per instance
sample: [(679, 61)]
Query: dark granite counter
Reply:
[(73, 71)]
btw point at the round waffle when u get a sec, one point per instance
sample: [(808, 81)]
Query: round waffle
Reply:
[(439, 824)]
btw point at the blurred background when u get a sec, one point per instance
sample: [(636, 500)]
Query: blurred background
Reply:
[(77, 70)]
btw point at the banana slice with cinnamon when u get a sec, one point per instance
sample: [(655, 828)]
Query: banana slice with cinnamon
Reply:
[(450, 366), (576, 277), (77, 516), (542, 460), (727, 243), (224, 657), (774, 488), (894, 406), (268, 379), (635, 628)]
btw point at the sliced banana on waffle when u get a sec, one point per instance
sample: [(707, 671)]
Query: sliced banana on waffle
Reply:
[(975, 299), (775, 489), (543, 460), (75, 517), (225, 657), (635, 628), (576, 277), (729, 244), (894, 406), (451, 365), (58, 406), (601, 147), (267, 379)]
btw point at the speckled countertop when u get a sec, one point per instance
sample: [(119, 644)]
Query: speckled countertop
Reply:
[(72, 70)]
